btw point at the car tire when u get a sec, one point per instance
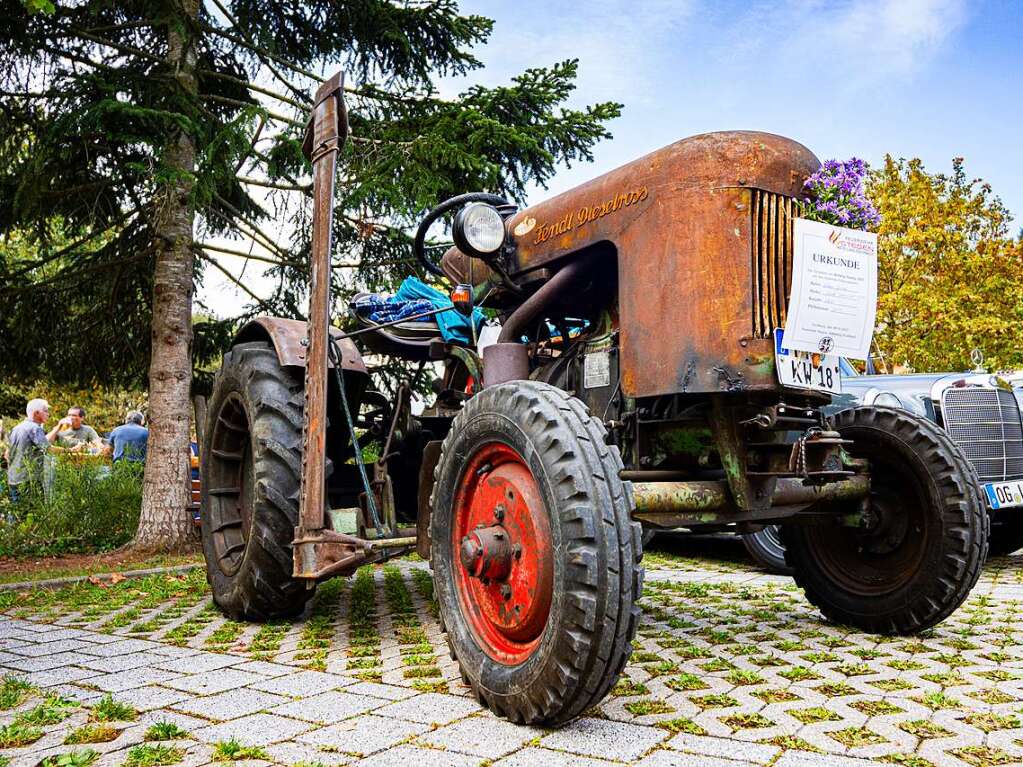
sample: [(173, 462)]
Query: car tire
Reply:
[(767, 549)]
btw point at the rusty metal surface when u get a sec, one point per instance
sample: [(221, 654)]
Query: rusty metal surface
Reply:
[(681, 220), (431, 455), (289, 338), (711, 497), (324, 139)]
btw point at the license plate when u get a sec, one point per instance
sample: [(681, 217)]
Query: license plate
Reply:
[(1002, 495), (806, 370)]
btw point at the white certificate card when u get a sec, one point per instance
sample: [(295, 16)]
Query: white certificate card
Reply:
[(834, 290)]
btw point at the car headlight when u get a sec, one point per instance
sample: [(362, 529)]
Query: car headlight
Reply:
[(478, 230), (888, 399)]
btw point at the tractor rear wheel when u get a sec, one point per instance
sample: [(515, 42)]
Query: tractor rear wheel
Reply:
[(535, 556), (250, 477), (926, 536)]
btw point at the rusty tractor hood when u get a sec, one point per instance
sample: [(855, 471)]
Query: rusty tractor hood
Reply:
[(702, 233)]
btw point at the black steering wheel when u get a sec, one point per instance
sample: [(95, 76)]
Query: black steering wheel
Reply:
[(419, 244)]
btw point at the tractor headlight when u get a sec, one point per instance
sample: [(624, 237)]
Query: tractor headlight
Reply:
[(888, 399), (478, 230)]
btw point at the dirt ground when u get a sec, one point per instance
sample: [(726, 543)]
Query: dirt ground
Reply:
[(37, 568)]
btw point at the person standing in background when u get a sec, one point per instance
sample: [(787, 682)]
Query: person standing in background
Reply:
[(27, 448), (129, 440)]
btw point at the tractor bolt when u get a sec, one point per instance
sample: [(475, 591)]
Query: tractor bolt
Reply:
[(517, 550), (499, 535), (506, 591), (499, 512), (484, 469)]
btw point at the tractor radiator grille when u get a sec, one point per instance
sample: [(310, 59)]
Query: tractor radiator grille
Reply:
[(772, 259), (985, 423)]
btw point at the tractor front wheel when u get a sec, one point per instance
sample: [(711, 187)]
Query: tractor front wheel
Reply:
[(925, 533), (534, 554)]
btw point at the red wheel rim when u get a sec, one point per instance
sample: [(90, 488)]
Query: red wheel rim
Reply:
[(499, 509)]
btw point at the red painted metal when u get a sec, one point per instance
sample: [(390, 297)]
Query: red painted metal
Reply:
[(505, 575)]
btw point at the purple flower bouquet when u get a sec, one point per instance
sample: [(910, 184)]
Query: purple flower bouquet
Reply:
[(836, 196)]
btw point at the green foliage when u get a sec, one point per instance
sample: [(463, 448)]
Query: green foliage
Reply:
[(52, 710), (110, 710), (165, 731), (13, 692), (80, 757), (105, 406), (89, 507), (233, 751), (93, 115), (153, 755), (92, 733), (17, 734), (950, 277)]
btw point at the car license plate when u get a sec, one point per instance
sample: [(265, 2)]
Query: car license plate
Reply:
[(1002, 495), (806, 370)]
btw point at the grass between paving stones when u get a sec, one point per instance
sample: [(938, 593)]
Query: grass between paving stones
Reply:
[(153, 755), (423, 581), (77, 758), (907, 760), (180, 635), (853, 737), (787, 742), (746, 721), (983, 756), (267, 641), (649, 706), (417, 654), (363, 637), (109, 710), (314, 644), (52, 710), (233, 751), (924, 728), (16, 735), (681, 724), (164, 731), (224, 636), (92, 733), (13, 692), (626, 687)]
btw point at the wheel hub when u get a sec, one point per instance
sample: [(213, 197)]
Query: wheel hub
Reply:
[(487, 554), (505, 568)]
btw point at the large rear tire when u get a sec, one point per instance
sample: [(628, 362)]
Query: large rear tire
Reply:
[(535, 556), (922, 553), (252, 458)]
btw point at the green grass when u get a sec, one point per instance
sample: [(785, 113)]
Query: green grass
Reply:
[(233, 751), (92, 733), (153, 755), (16, 734), (52, 710), (77, 758), (110, 710), (165, 731), (13, 692)]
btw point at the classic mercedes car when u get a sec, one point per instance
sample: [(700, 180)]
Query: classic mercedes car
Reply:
[(981, 413)]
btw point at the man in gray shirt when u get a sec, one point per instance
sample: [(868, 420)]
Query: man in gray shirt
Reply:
[(27, 447)]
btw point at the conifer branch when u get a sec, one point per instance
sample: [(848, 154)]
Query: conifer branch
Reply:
[(305, 189), (248, 104), (210, 260), (252, 87)]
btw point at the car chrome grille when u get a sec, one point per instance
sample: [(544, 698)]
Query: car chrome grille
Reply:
[(772, 217), (986, 424)]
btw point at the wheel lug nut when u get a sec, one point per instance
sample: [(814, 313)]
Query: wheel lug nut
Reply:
[(506, 591), (499, 512), (517, 550)]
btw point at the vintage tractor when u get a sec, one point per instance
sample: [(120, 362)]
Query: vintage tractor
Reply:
[(633, 385)]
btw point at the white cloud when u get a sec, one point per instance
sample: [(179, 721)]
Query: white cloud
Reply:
[(858, 41)]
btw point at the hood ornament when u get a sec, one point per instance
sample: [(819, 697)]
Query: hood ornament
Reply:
[(977, 357)]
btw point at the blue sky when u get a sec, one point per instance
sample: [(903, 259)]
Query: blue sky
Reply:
[(932, 79)]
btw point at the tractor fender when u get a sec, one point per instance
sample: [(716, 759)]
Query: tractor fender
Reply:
[(288, 338)]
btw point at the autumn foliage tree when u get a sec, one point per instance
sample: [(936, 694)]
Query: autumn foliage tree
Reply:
[(950, 275)]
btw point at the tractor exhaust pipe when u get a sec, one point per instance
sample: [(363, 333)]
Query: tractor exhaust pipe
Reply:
[(325, 135)]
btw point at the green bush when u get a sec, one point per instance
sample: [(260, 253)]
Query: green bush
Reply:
[(87, 508)]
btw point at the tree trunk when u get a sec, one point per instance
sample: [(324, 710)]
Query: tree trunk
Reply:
[(165, 524)]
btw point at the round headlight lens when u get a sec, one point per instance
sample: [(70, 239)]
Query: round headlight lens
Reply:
[(887, 399), (480, 228)]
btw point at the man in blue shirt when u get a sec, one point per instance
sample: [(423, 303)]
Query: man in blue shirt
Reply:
[(129, 440)]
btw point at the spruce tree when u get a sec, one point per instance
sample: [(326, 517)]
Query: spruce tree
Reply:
[(137, 138)]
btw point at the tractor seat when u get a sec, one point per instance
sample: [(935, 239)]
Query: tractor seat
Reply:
[(408, 340)]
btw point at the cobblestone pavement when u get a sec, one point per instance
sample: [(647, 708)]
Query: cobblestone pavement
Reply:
[(732, 668)]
